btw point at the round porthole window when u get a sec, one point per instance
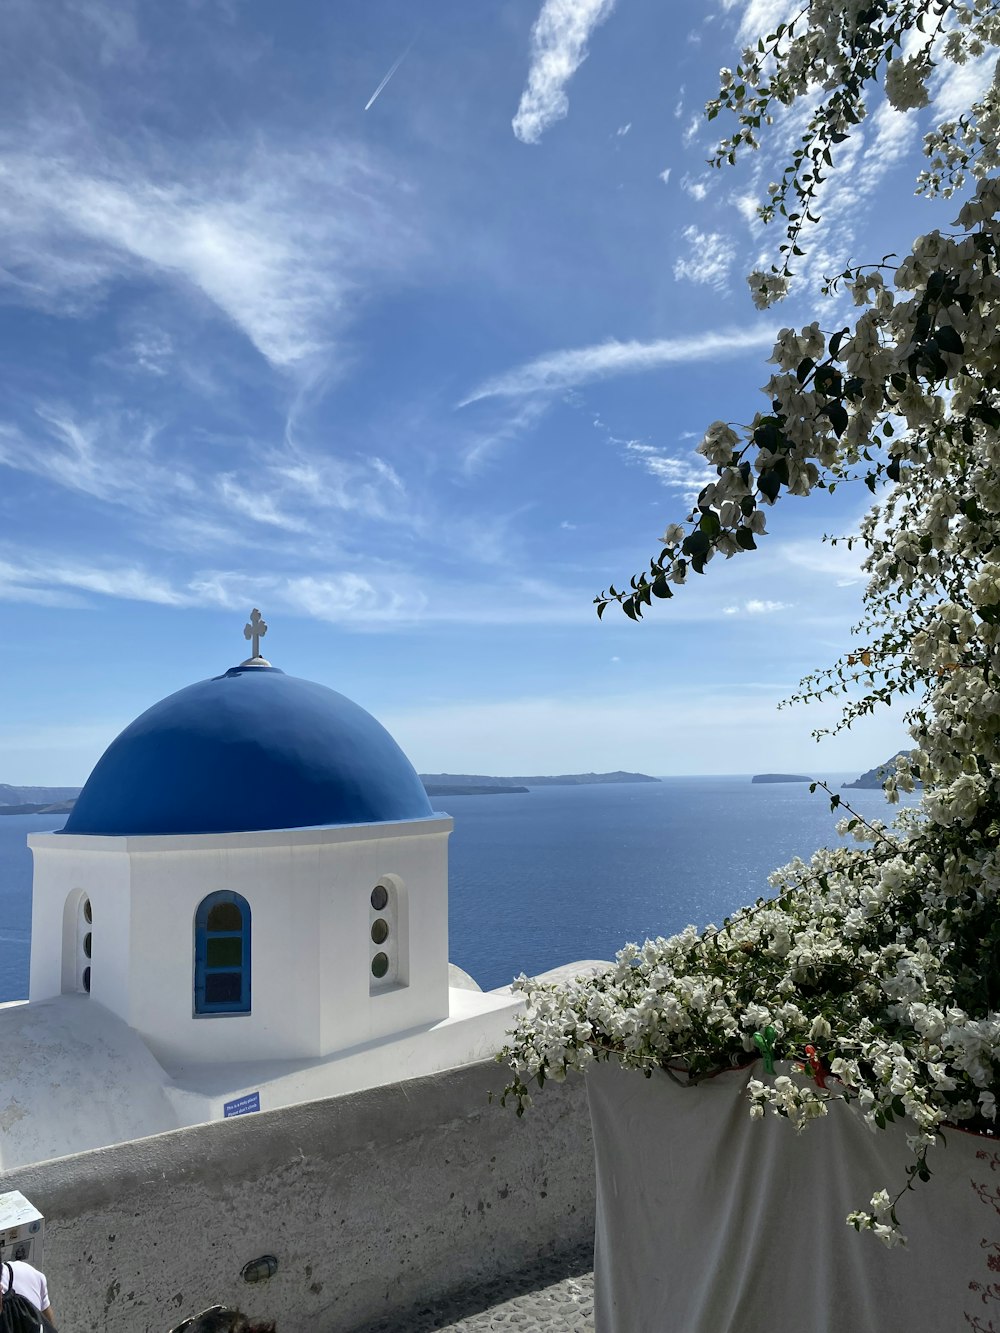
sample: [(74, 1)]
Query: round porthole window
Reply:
[(86, 979), (88, 914), (380, 897), (380, 965), (380, 930), (87, 944)]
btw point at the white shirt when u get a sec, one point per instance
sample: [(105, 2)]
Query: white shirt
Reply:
[(28, 1281)]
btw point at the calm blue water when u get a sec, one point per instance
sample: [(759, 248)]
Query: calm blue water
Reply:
[(561, 873)]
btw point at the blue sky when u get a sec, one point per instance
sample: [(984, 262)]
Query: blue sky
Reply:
[(416, 385)]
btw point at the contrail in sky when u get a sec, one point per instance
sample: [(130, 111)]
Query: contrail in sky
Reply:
[(392, 71)]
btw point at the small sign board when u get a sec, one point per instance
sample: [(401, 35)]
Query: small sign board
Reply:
[(242, 1105), (21, 1229)]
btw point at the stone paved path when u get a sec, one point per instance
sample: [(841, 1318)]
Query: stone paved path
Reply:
[(554, 1296)]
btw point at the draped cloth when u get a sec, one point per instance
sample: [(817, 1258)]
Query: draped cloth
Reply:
[(710, 1222)]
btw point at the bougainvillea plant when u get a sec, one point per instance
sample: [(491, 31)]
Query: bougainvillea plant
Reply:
[(875, 967)]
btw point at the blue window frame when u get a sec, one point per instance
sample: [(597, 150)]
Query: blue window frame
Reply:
[(222, 955)]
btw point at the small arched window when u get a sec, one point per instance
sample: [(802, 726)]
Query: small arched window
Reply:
[(222, 955)]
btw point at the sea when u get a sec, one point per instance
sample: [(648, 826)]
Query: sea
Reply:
[(561, 874)]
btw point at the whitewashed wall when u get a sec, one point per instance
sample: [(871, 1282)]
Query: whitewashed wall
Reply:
[(372, 1204), (309, 893)]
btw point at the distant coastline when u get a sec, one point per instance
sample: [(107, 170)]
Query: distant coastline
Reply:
[(875, 777), (779, 777), (60, 800), (36, 800), (479, 784)]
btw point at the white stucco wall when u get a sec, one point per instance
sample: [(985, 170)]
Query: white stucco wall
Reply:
[(74, 1077), (373, 1204), (309, 893)]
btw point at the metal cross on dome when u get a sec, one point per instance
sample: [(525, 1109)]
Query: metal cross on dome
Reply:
[(255, 629)]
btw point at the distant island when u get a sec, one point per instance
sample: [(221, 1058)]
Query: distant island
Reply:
[(36, 800), (779, 777), (478, 784), (469, 789), (875, 777)]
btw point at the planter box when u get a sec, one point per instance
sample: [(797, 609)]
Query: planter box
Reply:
[(710, 1222)]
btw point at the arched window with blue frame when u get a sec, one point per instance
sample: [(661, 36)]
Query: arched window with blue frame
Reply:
[(222, 955)]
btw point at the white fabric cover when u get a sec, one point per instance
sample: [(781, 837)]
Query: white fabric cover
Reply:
[(710, 1222)]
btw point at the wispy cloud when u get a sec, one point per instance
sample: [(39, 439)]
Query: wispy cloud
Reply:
[(559, 371), (112, 458), (482, 444), (52, 581), (275, 240), (760, 17), (558, 48), (689, 475), (709, 259)]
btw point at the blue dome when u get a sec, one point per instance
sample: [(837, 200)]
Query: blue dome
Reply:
[(253, 749)]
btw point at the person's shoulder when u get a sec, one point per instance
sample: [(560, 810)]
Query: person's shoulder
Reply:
[(28, 1280), (22, 1266)]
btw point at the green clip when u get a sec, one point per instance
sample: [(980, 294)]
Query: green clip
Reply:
[(764, 1042)]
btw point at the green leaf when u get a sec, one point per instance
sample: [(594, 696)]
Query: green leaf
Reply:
[(768, 484), (744, 539), (710, 524), (837, 413), (767, 435), (948, 340), (696, 543), (836, 340)]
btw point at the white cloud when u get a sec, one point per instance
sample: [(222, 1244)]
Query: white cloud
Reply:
[(256, 504), (838, 563), (111, 458), (275, 240), (709, 259), (558, 48), (664, 175), (689, 475), (562, 370), (622, 130), (693, 126), (761, 17), (756, 607), (46, 581), (956, 87), (480, 445), (746, 206), (695, 188)]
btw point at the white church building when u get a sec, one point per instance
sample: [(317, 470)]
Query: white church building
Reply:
[(247, 908)]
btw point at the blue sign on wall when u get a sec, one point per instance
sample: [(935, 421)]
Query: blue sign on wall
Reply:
[(242, 1105)]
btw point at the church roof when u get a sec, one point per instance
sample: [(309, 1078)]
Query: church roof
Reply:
[(252, 749)]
